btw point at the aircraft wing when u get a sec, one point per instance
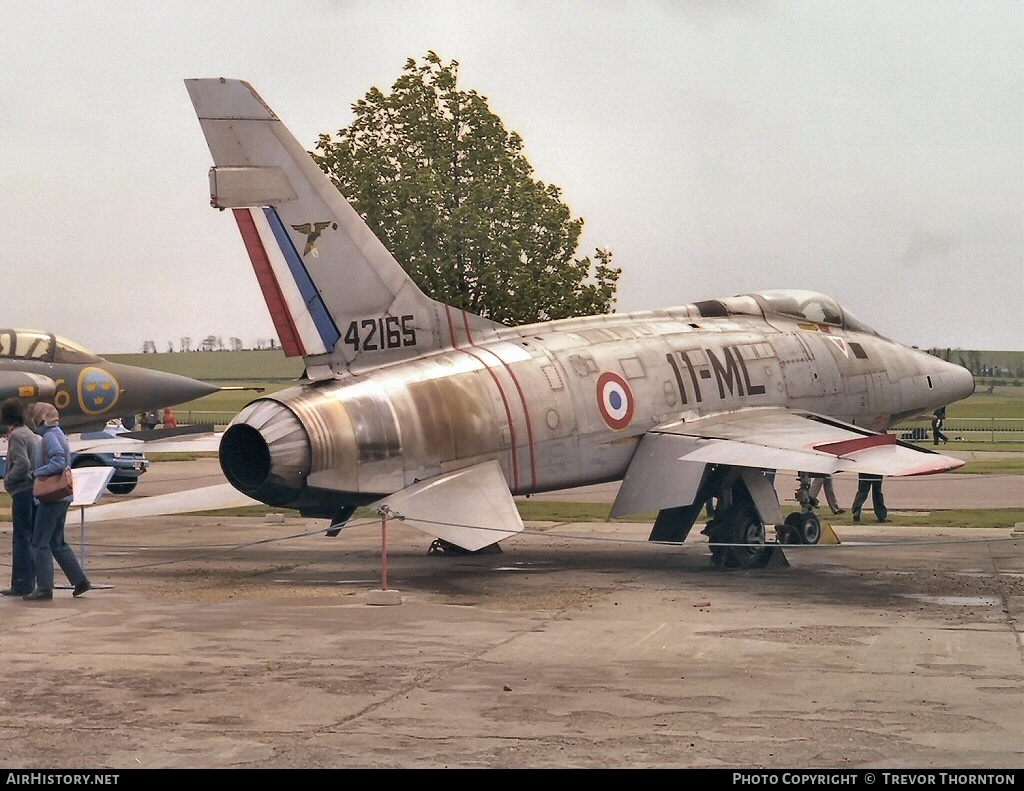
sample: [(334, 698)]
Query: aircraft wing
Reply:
[(189, 444), (209, 498), (670, 461), (779, 438)]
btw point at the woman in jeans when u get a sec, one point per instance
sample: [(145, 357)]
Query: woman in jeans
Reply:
[(53, 456)]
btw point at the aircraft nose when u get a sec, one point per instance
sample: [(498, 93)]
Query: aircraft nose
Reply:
[(154, 389), (955, 383), (144, 390)]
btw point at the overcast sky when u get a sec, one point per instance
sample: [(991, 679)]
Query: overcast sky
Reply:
[(870, 150)]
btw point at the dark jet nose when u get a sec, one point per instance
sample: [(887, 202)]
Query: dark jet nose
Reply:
[(143, 390)]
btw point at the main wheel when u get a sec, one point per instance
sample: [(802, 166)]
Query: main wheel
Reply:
[(748, 530)]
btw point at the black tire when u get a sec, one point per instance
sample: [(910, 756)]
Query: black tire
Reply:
[(123, 487), (718, 533), (748, 529), (810, 529), (789, 533)]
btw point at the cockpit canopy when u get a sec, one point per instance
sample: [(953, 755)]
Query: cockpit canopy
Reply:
[(42, 346), (796, 304)]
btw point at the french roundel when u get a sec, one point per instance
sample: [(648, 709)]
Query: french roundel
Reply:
[(614, 400)]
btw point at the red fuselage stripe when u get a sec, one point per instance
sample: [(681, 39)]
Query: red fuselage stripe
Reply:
[(508, 415), (526, 415), (287, 332), (451, 326), (465, 323)]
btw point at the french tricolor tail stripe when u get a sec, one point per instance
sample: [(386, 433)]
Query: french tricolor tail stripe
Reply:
[(303, 323), (286, 330)]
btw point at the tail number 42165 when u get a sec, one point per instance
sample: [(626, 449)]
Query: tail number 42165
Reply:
[(387, 332)]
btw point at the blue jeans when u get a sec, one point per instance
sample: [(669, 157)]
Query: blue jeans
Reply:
[(23, 514), (48, 544)]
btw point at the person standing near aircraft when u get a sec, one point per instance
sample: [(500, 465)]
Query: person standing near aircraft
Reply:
[(21, 446), (52, 457), (868, 482)]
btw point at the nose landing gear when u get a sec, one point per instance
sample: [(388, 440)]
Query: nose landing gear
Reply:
[(802, 527)]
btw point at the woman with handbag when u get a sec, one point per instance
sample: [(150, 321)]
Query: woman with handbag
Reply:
[(53, 493)]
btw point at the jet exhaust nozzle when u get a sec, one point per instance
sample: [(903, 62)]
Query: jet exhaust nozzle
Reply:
[(265, 453)]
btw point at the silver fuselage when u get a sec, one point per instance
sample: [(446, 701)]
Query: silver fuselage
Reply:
[(530, 400)]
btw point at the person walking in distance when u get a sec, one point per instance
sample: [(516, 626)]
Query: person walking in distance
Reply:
[(938, 420)]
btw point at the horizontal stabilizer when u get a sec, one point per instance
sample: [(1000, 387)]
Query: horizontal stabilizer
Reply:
[(471, 508), (209, 498)]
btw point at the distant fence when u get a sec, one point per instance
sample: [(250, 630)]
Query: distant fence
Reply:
[(966, 429), (189, 417)]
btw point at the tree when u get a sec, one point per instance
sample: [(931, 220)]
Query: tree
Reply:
[(446, 187)]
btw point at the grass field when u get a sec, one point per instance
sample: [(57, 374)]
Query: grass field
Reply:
[(268, 369), (249, 366)]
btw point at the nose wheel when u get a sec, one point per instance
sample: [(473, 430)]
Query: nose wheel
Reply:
[(800, 528)]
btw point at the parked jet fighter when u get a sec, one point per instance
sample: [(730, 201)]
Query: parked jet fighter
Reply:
[(438, 417), (87, 390)]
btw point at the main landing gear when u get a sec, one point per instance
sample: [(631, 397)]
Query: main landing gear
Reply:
[(736, 526), (738, 504), (742, 528)]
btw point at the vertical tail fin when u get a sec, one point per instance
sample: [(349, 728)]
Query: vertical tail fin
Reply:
[(336, 295)]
